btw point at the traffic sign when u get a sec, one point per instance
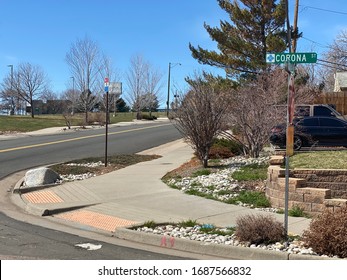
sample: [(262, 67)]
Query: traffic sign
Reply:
[(279, 58), (107, 83)]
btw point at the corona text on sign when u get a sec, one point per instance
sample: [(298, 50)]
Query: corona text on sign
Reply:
[(280, 58)]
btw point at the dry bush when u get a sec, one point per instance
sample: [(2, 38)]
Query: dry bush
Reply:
[(219, 152), (259, 229), (327, 234), (201, 114), (96, 118)]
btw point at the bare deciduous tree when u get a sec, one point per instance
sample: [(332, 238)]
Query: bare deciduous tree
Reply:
[(73, 96), (84, 62), (335, 60), (142, 80), (308, 86), (108, 70), (29, 82), (201, 115), (8, 95), (262, 103), (256, 110)]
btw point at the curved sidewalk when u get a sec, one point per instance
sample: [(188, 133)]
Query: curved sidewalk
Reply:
[(134, 195)]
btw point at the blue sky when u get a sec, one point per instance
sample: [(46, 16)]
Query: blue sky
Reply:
[(42, 31)]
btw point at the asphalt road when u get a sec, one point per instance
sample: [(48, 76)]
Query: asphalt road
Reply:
[(20, 240), (23, 236), (27, 152)]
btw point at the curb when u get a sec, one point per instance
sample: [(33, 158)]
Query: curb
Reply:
[(36, 209), (217, 250)]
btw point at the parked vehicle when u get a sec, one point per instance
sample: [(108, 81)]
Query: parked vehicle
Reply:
[(315, 110), (308, 131)]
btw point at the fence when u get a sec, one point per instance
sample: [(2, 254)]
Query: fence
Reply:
[(338, 99)]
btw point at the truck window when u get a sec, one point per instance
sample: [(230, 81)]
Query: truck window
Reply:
[(302, 111), (322, 111)]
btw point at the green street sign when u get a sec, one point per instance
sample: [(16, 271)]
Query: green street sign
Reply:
[(279, 58)]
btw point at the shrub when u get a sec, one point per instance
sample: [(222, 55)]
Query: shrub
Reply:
[(150, 224), (218, 152), (327, 234), (259, 229), (234, 146), (148, 117), (96, 118), (296, 211)]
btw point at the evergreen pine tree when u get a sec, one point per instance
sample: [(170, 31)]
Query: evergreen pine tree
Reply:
[(258, 27)]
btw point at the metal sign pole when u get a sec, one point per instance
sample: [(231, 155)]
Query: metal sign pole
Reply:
[(106, 133), (106, 119), (289, 140)]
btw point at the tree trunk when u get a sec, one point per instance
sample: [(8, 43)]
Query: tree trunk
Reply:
[(86, 116), (32, 107), (205, 159)]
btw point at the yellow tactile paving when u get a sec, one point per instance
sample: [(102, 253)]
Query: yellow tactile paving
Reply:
[(44, 196), (97, 220)]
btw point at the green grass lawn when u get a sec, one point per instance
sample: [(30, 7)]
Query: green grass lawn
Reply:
[(320, 160), (26, 123)]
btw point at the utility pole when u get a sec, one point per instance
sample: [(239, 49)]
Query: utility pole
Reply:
[(295, 27)]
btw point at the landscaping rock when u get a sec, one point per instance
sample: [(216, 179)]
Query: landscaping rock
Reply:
[(40, 176)]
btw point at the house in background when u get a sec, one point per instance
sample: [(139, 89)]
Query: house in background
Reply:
[(340, 81)]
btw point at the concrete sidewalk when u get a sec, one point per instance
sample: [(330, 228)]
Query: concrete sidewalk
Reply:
[(134, 195)]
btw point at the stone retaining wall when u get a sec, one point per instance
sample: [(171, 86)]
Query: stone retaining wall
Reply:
[(310, 189)]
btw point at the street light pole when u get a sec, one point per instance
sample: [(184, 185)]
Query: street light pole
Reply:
[(73, 84), (73, 93), (168, 92), (11, 88), (168, 88)]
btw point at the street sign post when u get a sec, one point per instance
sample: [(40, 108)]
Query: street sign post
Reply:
[(295, 58), (291, 59), (107, 83)]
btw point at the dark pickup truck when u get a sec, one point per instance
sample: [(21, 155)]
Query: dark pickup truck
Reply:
[(314, 110)]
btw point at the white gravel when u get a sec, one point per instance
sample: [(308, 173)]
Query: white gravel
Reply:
[(194, 233), (220, 185), (72, 177)]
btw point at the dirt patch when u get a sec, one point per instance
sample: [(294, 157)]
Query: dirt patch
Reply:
[(97, 167), (185, 170)]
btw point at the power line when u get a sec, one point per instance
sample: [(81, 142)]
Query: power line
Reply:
[(332, 67), (324, 10), (317, 43), (335, 63)]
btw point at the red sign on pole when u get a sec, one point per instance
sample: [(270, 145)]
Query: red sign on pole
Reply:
[(291, 99), (106, 80)]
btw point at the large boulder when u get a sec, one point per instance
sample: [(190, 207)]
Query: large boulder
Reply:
[(40, 176)]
